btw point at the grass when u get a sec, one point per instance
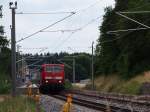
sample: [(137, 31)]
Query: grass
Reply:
[(18, 104), (115, 84)]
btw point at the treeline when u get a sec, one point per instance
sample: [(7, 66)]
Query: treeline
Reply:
[(5, 61), (4, 51), (124, 53), (82, 63)]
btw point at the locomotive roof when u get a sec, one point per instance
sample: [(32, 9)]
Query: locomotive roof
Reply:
[(52, 65)]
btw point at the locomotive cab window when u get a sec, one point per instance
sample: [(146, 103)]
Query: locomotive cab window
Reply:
[(53, 68), (57, 68), (49, 69)]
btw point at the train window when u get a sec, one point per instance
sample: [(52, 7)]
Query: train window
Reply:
[(53, 68), (57, 68), (49, 69)]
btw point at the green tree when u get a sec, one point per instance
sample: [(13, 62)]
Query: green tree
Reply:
[(4, 61), (125, 53)]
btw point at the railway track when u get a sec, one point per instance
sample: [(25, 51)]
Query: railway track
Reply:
[(103, 103), (94, 105)]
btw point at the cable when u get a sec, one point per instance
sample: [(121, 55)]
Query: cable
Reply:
[(35, 48), (81, 28), (31, 55), (66, 30), (103, 42), (82, 10), (93, 20), (132, 20), (134, 12), (116, 31), (72, 13), (141, 6), (46, 27), (34, 63), (44, 13), (60, 44), (61, 12), (130, 30)]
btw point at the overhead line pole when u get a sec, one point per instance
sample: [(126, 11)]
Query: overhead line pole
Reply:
[(13, 48)]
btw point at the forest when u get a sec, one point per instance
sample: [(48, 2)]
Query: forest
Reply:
[(5, 60), (125, 53)]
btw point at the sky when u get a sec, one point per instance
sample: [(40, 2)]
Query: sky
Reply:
[(85, 22)]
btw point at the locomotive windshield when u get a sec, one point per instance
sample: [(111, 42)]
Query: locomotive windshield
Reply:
[(53, 68)]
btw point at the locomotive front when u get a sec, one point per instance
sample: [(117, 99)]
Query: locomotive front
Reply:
[(52, 77)]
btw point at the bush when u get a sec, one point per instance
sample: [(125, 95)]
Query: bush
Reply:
[(132, 87), (5, 84), (4, 87), (68, 84)]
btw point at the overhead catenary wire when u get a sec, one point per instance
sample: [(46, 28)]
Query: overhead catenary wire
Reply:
[(45, 27), (132, 20), (60, 44), (34, 48), (72, 13), (58, 12), (43, 13), (74, 30), (90, 22), (108, 41), (117, 31), (34, 63), (141, 6), (65, 30), (134, 12), (31, 55), (81, 10), (72, 33), (130, 30)]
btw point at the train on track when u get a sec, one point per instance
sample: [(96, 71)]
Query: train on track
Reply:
[(52, 78)]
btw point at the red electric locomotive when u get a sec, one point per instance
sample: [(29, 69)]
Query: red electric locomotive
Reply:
[(52, 77)]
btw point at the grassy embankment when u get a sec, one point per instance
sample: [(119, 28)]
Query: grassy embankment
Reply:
[(117, 85), (18, 104)]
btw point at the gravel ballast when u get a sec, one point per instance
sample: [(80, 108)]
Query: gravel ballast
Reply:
[(50, 104)]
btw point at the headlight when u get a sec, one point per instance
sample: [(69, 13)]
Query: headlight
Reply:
[(46, 81), (60, 81)]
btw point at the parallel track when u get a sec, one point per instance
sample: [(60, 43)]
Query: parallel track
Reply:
[(93, 105)]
